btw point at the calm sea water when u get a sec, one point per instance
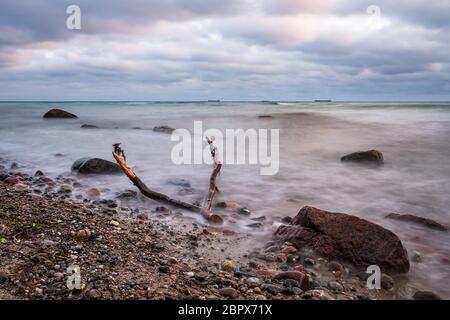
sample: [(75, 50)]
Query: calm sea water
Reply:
[(414, 138)]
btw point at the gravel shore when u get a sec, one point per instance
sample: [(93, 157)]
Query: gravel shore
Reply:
[(45, 233)]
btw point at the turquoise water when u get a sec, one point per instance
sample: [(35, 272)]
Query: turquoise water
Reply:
[(414, 138)]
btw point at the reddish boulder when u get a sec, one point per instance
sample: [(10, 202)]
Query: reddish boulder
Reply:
[(346, 237)]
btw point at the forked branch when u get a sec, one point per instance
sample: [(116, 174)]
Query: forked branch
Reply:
[(119, 155)]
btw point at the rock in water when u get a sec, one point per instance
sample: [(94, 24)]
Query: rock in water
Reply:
[(371, 157), (163, 129), (419, 220), (95, 165), (425, 295), (342, 236), (58, 113), (88, 126)]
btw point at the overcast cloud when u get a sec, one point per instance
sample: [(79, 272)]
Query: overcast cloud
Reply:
[(230, 50)]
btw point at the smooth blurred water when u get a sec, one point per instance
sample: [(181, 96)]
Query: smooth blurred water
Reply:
[(414, 138)]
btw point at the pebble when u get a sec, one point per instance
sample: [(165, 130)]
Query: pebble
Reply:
[(299, 267), (317, 294), (336, 286), (335, 266), (244, 211), (272, 288), (11, 180), (416, 257), (282, 258), (114, 223), (253, 282), (286, 220), (308, 262), (232, 205), (84, 234), (67, 188), (93, 193), (229, 293), (227, 265), (425, 295), (292, 291), (260, 297), (289, 249), (387, 282)]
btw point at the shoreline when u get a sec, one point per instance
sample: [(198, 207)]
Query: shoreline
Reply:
[(148, 258)]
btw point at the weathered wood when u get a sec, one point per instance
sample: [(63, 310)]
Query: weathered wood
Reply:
[(212, 180), (160, 197)]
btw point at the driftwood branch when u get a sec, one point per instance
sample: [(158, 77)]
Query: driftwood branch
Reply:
[(119, 155), (212, 180)]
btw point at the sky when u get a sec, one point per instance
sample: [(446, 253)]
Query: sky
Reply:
[(229, 50)]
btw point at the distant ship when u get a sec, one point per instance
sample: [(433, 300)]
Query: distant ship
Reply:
[(324, 100), (213, 100)]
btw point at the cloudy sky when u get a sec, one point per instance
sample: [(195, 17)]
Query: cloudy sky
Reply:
[(228, 49)]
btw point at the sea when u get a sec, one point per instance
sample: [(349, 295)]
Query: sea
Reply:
[(414, 138)]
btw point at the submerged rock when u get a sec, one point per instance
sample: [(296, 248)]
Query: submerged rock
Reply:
[(419, 220), (58, 113), (88, 126), (342, 236), (370, 156), (163, 129), (425, 295), (95, 165)]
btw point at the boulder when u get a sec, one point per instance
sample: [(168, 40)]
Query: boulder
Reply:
[(95, 165), (369, 157), (418, 220), (58, 113), (345, 237)]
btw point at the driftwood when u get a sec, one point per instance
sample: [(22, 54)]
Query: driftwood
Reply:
[(119, 155), (212, 180)]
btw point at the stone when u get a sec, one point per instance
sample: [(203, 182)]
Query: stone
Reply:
[(271, 288), (255, 225), (369, 157), (58, 113), (244, 211), (21, 187), (93, 193), (253, 282), (425, 295), (163, 129), (114, 223), (289, 249), (11, 180), (387, 282), (317, 294), (345, 237), (95, 166), (232, 205), (227, 265), (179, 182), (302, 278), (416, 257), (84, 234), (335, 266), (286, 220), (88, 126), (336, 286), (66, 188), (229, 293), (426, 222), (127, 194), (38, 173)]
